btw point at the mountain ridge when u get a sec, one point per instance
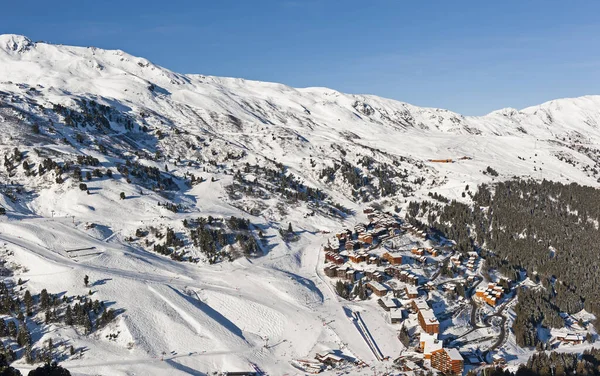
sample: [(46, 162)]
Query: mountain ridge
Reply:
[(18, 45)]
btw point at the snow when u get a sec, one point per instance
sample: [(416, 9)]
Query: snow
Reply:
[(178, 318)]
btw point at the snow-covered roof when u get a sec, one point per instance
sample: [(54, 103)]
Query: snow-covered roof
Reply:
[(430, 343), (411, 289), (429, 316), (421, 304), (453, 354), (390, 303), (396, 313), (573, 337), (377, 286)]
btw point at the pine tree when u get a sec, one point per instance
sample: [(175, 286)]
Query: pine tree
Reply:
[(88, 324), (44, 299), (290, 230), (362, 291), (86, 280), (69, 316), (23, 338), (29, 355), (12, 329), (28, 300)]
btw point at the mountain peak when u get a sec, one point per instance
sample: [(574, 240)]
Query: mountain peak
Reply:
[(15, 43)]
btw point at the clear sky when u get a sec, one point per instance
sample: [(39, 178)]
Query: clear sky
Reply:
[(468, 56)]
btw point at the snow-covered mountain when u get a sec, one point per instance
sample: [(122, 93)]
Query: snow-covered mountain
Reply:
[(209, 146)]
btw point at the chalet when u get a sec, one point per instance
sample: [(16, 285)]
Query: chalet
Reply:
[(396, 315), (357, 257), (388, 303), (365, 238), (350, 275), (572, 338), (373, 260), (327, 357), (330, 271), (341, 271), (447, 361), (368, 211), (411, 292), (428, 343), (417, 251), (392, 259), (375, 275), (422, 259), (377, 288), (334, 258), (350, 244), (429, 286), (408, 277)]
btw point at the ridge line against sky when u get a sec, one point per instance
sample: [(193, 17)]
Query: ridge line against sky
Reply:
[(467, 57)]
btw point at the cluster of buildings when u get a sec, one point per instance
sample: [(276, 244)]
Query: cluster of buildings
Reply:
[(422, 251), (380, 227), (321, 361), (341, 271), (402, 275), (446, 360), (414, 231), (389, 272), (471, 262), (490, 294)]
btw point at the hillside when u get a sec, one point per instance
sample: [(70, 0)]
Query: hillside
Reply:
[(129, 173)]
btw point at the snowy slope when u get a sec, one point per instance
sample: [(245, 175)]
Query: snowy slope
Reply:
[(218, 317)]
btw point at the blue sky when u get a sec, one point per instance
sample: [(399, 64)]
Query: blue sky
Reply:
[(468, 56)]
